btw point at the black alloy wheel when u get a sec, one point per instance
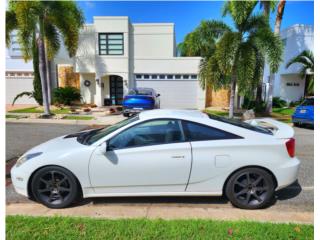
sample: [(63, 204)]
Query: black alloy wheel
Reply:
[(250, 188), (54, 187)]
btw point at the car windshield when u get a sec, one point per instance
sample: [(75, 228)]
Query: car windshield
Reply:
[(240, 123), (308, 102), (140, 91), (94, 135)]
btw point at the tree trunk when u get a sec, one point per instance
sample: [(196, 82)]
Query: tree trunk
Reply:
[(266, 13), (48, 62), (42, 70), (277, 27), (232, 94)]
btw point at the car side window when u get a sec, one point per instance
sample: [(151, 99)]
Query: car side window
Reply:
[(200, 132), (148, 133)]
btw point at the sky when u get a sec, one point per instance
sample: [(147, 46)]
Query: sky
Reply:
[(186, 15)]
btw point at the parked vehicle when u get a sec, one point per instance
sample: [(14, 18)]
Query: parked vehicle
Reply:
[(163, 153), (140, 99), (304, 113)]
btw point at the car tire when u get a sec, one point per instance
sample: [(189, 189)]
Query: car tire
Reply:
[(125, 114), (250, 188), (55, 187), (296, 124)]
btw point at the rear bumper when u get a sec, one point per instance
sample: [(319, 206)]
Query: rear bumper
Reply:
[(135, 110), (287, 173), (302, 120)]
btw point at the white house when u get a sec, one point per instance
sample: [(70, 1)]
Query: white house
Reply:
[(19, 74), (288, 83), (115, 55)]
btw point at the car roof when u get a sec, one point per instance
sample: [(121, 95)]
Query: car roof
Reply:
[(172, 113)]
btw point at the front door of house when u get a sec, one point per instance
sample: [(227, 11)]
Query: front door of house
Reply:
[(116, 90)]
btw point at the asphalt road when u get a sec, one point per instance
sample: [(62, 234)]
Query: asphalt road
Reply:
[(297, 197)]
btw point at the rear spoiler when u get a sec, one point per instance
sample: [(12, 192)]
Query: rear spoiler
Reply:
[(279, 129)]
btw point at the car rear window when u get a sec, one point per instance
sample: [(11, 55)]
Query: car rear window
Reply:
[(145, 92), (240, 123), (308, 102)]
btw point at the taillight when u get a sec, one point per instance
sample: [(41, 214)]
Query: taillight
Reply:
[(290, 144)]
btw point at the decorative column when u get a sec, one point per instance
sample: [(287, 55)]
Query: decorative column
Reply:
[(99, 91)]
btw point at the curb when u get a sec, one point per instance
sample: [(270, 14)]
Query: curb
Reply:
[(152, 211)]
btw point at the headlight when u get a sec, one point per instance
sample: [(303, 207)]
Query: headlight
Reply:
[(27, 157)]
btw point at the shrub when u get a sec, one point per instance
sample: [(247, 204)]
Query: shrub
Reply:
[(278, 102), (252, 104), (66, 95)]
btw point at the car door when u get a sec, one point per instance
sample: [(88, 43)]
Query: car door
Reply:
[(212, 153), (151, 156)]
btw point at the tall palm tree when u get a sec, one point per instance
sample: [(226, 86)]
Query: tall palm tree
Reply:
[(280, 11), (50, 21), (306, 59), (267, 6), (239, 53)]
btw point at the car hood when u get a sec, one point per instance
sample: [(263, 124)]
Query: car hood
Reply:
[(59, 144)]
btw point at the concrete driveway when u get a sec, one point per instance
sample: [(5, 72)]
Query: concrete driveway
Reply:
[(295, 198)]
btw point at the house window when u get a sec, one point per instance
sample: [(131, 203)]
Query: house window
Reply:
[(169, 76), (154, 76), (110, 43), (284, 42), (146, 76), (185, 76), (193, 76), (138, 76), (177, 76), (162, 76)]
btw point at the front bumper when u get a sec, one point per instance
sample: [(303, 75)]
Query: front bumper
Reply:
[(19, 181), (287, 173)]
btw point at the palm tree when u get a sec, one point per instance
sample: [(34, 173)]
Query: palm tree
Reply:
[(277, 27), (238, 57), (267, 6), (49, 22), (306, 59)]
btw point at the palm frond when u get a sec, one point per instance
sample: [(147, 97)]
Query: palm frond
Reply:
[(28, 94), (52, 40), (11, 24)]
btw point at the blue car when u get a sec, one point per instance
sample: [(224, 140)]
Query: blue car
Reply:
[(304, 113), (140, 99)]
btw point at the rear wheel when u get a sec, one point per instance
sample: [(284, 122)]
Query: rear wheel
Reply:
[(55, 187), (250, 188), (126, 114)]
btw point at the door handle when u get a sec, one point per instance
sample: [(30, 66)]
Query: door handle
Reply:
[(177, 156)]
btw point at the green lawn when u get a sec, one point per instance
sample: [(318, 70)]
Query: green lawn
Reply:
[(14, 116), (36, 110), (283, 111), (78, 117), (216, 112), (20, 227)]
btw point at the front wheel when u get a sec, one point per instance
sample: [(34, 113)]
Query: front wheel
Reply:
[(55, 187), (250, 188)]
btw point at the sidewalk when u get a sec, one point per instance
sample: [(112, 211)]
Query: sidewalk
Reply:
[(152, 211), (103, 120)]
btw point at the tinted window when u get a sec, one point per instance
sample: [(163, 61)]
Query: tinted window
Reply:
[(110, 43), (154, 76), (93, 136), (200, 132), (308, 102), (148, 133), (141, 91)]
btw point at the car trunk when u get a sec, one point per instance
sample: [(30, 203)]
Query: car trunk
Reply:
[(138, 101), (303, 112)]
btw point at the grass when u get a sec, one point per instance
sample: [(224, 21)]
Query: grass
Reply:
[(37, 110), (22, 227), (283, 111), (14, 116), (216, 112), (78, 117)]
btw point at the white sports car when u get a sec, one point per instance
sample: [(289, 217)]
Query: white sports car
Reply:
[(163, 153)]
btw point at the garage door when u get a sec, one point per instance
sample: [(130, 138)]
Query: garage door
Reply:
[(15, 85), (177, 94)]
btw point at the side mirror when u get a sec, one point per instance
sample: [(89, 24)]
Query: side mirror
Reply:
[(158, 95), (103, 147)]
